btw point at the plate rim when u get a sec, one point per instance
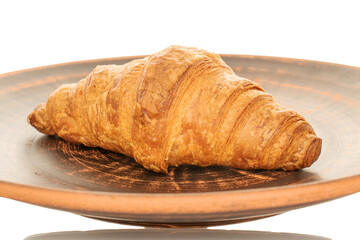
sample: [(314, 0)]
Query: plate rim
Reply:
[(153, 203), (266, 57)]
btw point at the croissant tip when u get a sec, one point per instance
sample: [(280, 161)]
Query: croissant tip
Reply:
[(39, 120), (313, 152), (32, 119)]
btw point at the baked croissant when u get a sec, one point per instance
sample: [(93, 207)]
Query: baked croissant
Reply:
[(179, 106)]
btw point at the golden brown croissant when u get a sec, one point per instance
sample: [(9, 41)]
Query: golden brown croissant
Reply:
[(179, 106)]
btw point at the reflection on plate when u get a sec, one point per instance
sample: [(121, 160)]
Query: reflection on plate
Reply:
[(93, 182), (179, 234)]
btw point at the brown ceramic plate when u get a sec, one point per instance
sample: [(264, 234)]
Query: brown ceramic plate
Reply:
[(49, 172)]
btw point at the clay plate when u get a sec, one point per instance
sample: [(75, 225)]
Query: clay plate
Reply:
[(50, 172)]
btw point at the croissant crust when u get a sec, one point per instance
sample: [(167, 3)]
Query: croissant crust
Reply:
[(179, 106)]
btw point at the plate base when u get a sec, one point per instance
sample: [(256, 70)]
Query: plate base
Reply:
[(180, 224)]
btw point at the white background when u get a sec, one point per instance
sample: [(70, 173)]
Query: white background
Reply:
[(36, 33)]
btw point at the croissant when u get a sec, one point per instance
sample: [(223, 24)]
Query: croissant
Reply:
[(179, 106)]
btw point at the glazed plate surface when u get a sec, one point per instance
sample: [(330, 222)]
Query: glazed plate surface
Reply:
[(93, 182)]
